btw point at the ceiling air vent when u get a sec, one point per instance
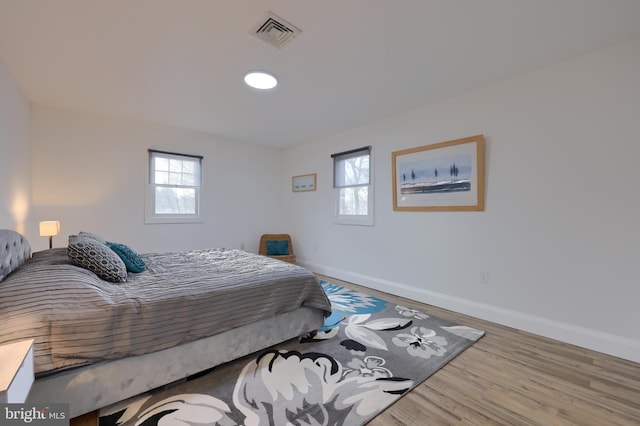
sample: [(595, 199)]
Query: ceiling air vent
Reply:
[(275, 30)]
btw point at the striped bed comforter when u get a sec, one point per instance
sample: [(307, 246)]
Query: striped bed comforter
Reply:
[(76, 318)]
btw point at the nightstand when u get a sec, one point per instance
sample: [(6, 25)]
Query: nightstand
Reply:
[(16, 375)]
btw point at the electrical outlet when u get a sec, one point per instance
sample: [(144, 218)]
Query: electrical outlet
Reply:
[(241, 246), (484, 278)]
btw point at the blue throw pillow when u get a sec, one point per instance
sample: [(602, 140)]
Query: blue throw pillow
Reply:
[(277, 248), (131, 259)]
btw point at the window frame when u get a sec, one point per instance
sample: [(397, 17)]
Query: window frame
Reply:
[(151, 217), (346, 219)]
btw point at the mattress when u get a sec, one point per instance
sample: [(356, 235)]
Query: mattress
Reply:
[(78, 319)]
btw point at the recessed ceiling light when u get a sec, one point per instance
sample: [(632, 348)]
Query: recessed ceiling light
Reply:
[(260, 80)]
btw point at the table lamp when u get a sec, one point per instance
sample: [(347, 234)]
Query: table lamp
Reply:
[(49, 228)]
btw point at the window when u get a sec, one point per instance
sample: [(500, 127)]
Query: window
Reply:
[(353, 189), (173, 193)]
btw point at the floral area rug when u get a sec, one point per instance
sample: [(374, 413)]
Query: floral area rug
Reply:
[(367, 356)]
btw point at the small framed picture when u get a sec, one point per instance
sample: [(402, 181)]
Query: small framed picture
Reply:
[(303, 183)]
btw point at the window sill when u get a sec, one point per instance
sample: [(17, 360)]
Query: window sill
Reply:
[(172, 219), (353, 220)]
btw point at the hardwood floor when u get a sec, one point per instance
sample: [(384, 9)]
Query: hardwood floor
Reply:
[(511, 377)]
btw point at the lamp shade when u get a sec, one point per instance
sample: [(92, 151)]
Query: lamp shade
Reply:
[(49, 228)]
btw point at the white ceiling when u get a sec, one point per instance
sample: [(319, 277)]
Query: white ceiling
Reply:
[(181, 62)]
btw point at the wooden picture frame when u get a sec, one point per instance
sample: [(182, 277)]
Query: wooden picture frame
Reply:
[(446, 176), (304, 183)]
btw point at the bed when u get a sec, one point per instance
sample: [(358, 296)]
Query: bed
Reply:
[(98, 342)]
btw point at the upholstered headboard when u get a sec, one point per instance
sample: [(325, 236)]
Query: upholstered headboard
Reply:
[(14, 251)]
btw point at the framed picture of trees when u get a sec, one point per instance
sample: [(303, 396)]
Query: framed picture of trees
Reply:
[(445, 176), (303, 183)]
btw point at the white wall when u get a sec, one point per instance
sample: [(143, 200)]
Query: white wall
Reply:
[(89, 172), (559, 238), (15, 164)]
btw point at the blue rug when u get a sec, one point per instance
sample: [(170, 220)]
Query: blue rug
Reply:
[(369, 354)]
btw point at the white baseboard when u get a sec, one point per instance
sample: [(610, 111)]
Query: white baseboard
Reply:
[(599, 341)]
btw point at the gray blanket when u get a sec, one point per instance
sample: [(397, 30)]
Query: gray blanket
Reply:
[(76, 318)]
